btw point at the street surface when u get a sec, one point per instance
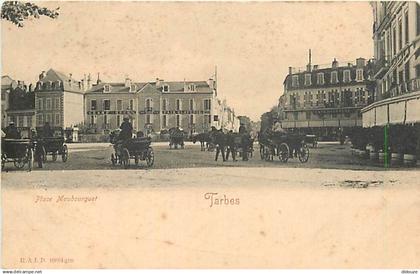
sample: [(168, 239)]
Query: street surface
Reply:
[(87, 214), (93, 156)]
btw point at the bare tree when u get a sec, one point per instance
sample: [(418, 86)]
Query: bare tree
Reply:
[(17, 12)]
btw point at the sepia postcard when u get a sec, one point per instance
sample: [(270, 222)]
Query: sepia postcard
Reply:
[(204, 135)]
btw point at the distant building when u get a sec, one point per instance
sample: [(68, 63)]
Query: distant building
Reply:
[(322, 100), (7, 85), (396, 35), (21, 108), (155, 106), (59, 99)]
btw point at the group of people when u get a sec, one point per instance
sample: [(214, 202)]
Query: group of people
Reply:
[(226, 143), (12, 132)]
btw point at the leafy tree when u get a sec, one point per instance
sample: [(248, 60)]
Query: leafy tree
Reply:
[(17, 12)]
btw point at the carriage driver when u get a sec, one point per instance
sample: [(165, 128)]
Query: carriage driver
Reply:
[(12, 131), (126, 130)]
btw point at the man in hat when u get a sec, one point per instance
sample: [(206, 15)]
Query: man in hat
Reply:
[(126, 129), (12, 132)]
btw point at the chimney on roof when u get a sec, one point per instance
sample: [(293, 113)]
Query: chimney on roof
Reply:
[(360, 62), (210, 82), (98, 81), (290, 70), (349, 64), (334, 64), (127, 82), (88, 82), (309, 66), (159, 82), (315, 67)]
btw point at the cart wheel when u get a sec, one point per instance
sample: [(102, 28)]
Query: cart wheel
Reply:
[(303, 153), (43, 154), (20, 163), (284, 152), (150, 158), (64, 153), (54, 156), (125, 158), (30, 159), (113, 159)]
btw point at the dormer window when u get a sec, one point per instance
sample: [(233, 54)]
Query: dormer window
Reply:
[(320, 78), (346, 76), (133, 88), (295, 80), (334, 77), (359, 75), (307, 79), (107, 88), (191, 87), (165, 88)]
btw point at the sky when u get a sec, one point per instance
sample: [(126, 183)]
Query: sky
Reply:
[(251, 43)]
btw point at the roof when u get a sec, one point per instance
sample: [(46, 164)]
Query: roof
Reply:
[(116, 87), (7, 81), (174, 87), (54, 76)]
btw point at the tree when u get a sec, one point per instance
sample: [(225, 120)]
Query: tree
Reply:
[(17, 12)]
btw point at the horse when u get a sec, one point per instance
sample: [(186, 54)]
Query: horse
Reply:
[(203, 138)]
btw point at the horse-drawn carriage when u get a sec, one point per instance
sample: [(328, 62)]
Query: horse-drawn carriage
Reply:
[(285, 145), (243, 143), (52, 143), (20, 152), (176, 138), (138, 149)]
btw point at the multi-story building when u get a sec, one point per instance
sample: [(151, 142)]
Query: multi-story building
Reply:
[(7, 85), (152, 106), (396, 35), (21, 108), (59, 99), (323, 100)]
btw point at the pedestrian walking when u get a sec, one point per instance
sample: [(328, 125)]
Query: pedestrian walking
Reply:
[(220, 142), (230, 141)]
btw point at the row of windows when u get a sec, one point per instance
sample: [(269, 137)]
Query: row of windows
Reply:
[(106, 104), (333, 97), (51, 118), (149, 119), (48, 104), (21, 120), (310, 116), (334, 78)]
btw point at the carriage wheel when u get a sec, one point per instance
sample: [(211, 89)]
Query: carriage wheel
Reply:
[(303, 154), (19, 163), (284, 152), (43, 154), (113, 159), (150, 158), (125, 158), (54, 156), (64, 153), (30, 159)]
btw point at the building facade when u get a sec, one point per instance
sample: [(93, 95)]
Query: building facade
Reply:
[(324, 100), (59, 99), (7, 85), (396, 35), (21, 108), (155, 106)]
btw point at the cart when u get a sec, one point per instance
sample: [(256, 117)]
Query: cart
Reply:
[(138, 149), (283, 145), (52, 144)]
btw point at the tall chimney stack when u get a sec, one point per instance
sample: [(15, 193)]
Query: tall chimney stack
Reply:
[(309, 66)]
